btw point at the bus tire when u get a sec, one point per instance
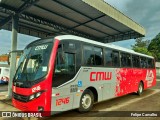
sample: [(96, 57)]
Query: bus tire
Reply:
[(86, 101), (140, 88)]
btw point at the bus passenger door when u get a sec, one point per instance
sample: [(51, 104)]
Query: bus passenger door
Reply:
[(62, 98)]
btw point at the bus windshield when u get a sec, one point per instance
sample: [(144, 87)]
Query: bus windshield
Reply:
[(33, 64)]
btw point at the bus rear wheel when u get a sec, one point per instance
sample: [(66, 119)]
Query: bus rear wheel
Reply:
[(140, 88), (86, 102)]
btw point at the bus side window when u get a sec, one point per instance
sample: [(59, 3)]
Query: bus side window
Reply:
[(88, 55), (108, 58), (135, 61), (115, 59), (143, 62), (64, 71), (98, 56), (65, 63), (70, 62), (129, 60), (150, 63), (125, 60)]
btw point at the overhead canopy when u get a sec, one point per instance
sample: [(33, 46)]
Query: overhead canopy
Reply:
[(93, 19)]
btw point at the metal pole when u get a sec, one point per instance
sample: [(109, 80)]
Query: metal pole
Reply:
[(13, 55)]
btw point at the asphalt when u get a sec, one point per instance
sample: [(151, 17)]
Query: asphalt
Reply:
[(3, 88)]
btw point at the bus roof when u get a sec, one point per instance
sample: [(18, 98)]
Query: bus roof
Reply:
[(72, 37)]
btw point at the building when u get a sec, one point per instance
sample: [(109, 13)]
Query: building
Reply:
[(3, 58)]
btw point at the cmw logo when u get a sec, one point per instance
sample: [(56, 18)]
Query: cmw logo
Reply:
[(149, 77)]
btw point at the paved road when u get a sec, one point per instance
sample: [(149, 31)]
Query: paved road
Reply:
[(3, 87)]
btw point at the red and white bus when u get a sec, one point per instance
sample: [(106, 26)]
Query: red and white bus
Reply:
[(68, 72)]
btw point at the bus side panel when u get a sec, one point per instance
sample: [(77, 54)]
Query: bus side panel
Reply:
[(128, 80), (108, 82), (103, 80), (67, 96), (150, 78), (83, 82), (62, 100)]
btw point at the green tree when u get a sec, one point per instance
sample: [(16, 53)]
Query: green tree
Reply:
[(141, 46), (154, 47)]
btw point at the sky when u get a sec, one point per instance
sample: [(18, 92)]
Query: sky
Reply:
[(144, 12)]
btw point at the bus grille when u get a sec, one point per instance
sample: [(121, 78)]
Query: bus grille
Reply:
[(21, 98)]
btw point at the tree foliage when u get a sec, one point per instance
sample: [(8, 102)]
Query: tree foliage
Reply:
[(141, 46), (154, 47), (148, 47)]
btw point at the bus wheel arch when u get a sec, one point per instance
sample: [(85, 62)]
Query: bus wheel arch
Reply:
[(140, 88), (87, 100), (95, 93)]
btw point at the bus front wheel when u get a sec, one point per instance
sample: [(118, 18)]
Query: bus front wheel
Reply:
[(86, 101), (140, 88)]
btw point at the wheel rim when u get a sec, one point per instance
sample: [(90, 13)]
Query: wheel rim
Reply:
[(86, 101), (140, 88)]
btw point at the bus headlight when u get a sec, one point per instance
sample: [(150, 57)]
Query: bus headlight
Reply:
[(38, 94), (35, 95), (31, 97)]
